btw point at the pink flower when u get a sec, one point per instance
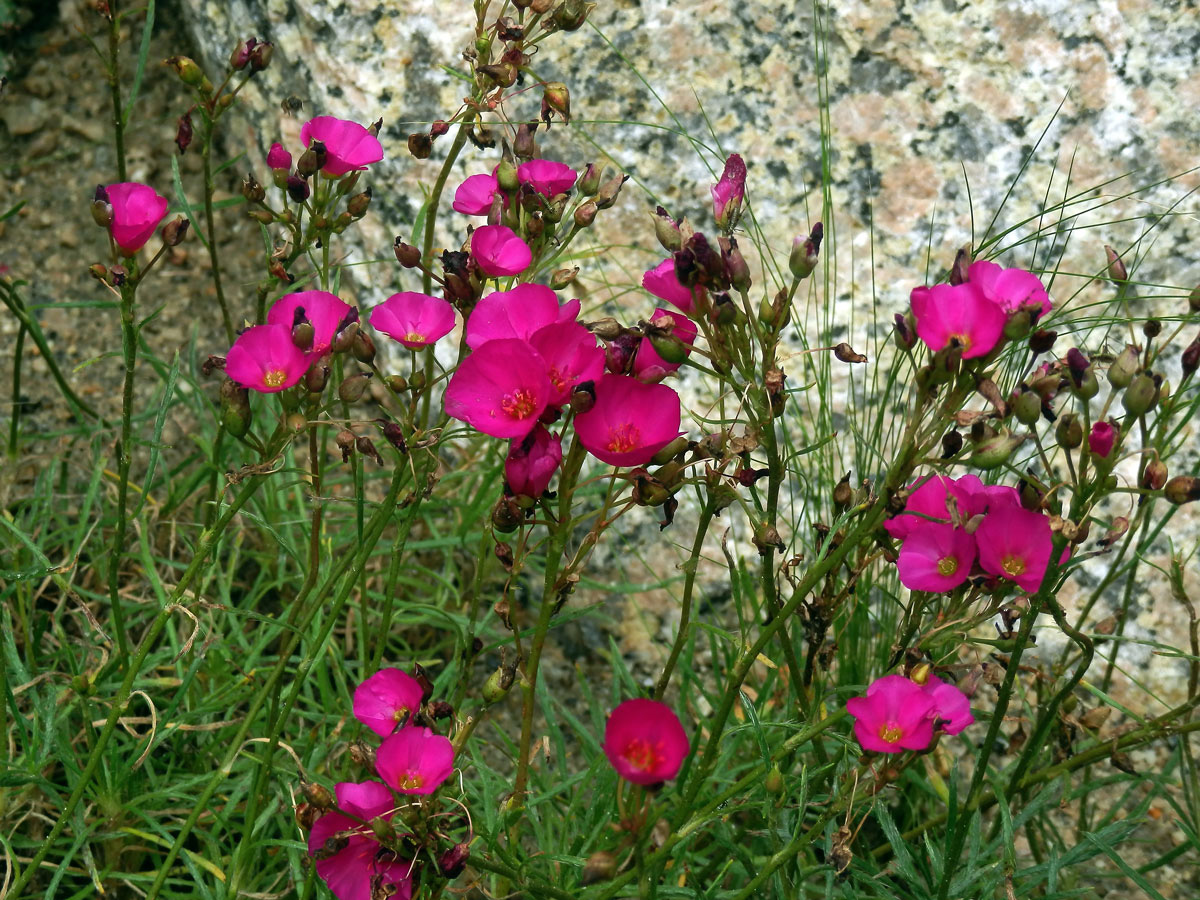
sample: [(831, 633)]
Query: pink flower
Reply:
[(895, 715), (547, 177), (500, 389), (278, 158), (348, 857), (1010, 289), (387, 700), (498, 251), (647, 356), (136, 211), (513, 314), (926, 502), (1015, 544), (532, 462), (1101, 439), (475, 195), (645, 742), (325, 311), (961, 313), (571, 356), (977, 498), (415, 760), (662, 282), (630, 422), (263, 358), (935, 557), (950, 705), (415, 320), (348, 146), (727, 193)]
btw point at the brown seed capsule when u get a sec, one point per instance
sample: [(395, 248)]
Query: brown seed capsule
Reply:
[(600, 866), (420, 145), (1155, 475), (1182, 489)]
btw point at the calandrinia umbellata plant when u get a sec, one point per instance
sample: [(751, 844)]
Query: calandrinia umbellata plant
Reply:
[(401, 506)]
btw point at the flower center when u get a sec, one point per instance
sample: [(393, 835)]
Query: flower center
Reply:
[(558, 380), (947, 566), (963, 340), (891, 732), (400, 713), (1013, 565), (411, 781), (519, 404), (643, 755), (624, 437), (415, 336), (274, 377)]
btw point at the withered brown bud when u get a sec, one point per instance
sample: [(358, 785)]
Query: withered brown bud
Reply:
[(846, 354), (352, 388), (297, 188), (606, 196), (345, 440), (366, 447), (1155, 475), (1115, 267), (952, 443), (843, 494), (318, 795), (358, 204), (1042, 340), (260, 56), (1190, 360), (563, 277), (394, 435), (406, 254), (175, 231), (183, 133), (454, 860), (962, 263), (506, 516), (600, 866), (420, 145)]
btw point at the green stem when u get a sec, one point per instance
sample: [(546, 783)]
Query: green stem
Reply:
[(689, 583), (208, 540), (124, 459), (114, 85), (14, 425), (209, 223)]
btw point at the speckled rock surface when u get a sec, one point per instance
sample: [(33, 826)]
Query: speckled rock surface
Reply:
[(935, 109)]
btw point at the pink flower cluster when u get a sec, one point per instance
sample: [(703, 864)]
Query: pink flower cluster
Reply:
[(972, 315), (529, 357), (898, 714), (134, 211), (412, 760), (953, 528)]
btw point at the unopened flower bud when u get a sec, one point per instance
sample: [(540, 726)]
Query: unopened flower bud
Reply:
[(1018, 323), (235, 408), (296, 423), (101, 208), (1182, 489), (397, 384), (183, 133), (260, 56), (585, 215), (583, 398), (263, 216), (571, 14), (905, 331), (1141, 396), (99, 271), (420, 145), (1124, 367), (363, 347), (556, 98), (506, 518), (297, 188), (1190, 360), (805, 251), (1116, 269), (316, 378), (960, 271), (773, 782), (619, 353), (406, 254), (175, 231), (240, 58), (994, 452), (352, 388), (524, 146), (563, 277), (1027, 408), (357, 205), (1069, 432), (454, 860), (1155, 475), (736, 268), (1194, 299), (589, 181), (312, 160), (343, 339), (187, 70), (606, 196), (669, 452), (1042, 340)]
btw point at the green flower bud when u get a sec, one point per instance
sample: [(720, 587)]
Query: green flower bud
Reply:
[(1027, 408), (1069, 432), (1124, 367), (235, 408), (994, 452), (1141, 396), (1182, 489)]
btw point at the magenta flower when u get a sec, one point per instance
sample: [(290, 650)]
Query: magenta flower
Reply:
[(950, 705), (325, 311), (387, 700), (136, 211), (935, 558), (415, 320), (977, 498), (532, 462), (645, 742), (926, 502), (264, 358), (278, 158), (961, 313), (348, 857), (498, 251), (727, 193), (1015, 544), (514, 314), (571, 356), (348, 146), (1101, 439), (547, 177), (662, 282), (500, 389), (415, 760), (630, 422), (475, 195), (895, 715), (1010, 289), (647, 356)]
